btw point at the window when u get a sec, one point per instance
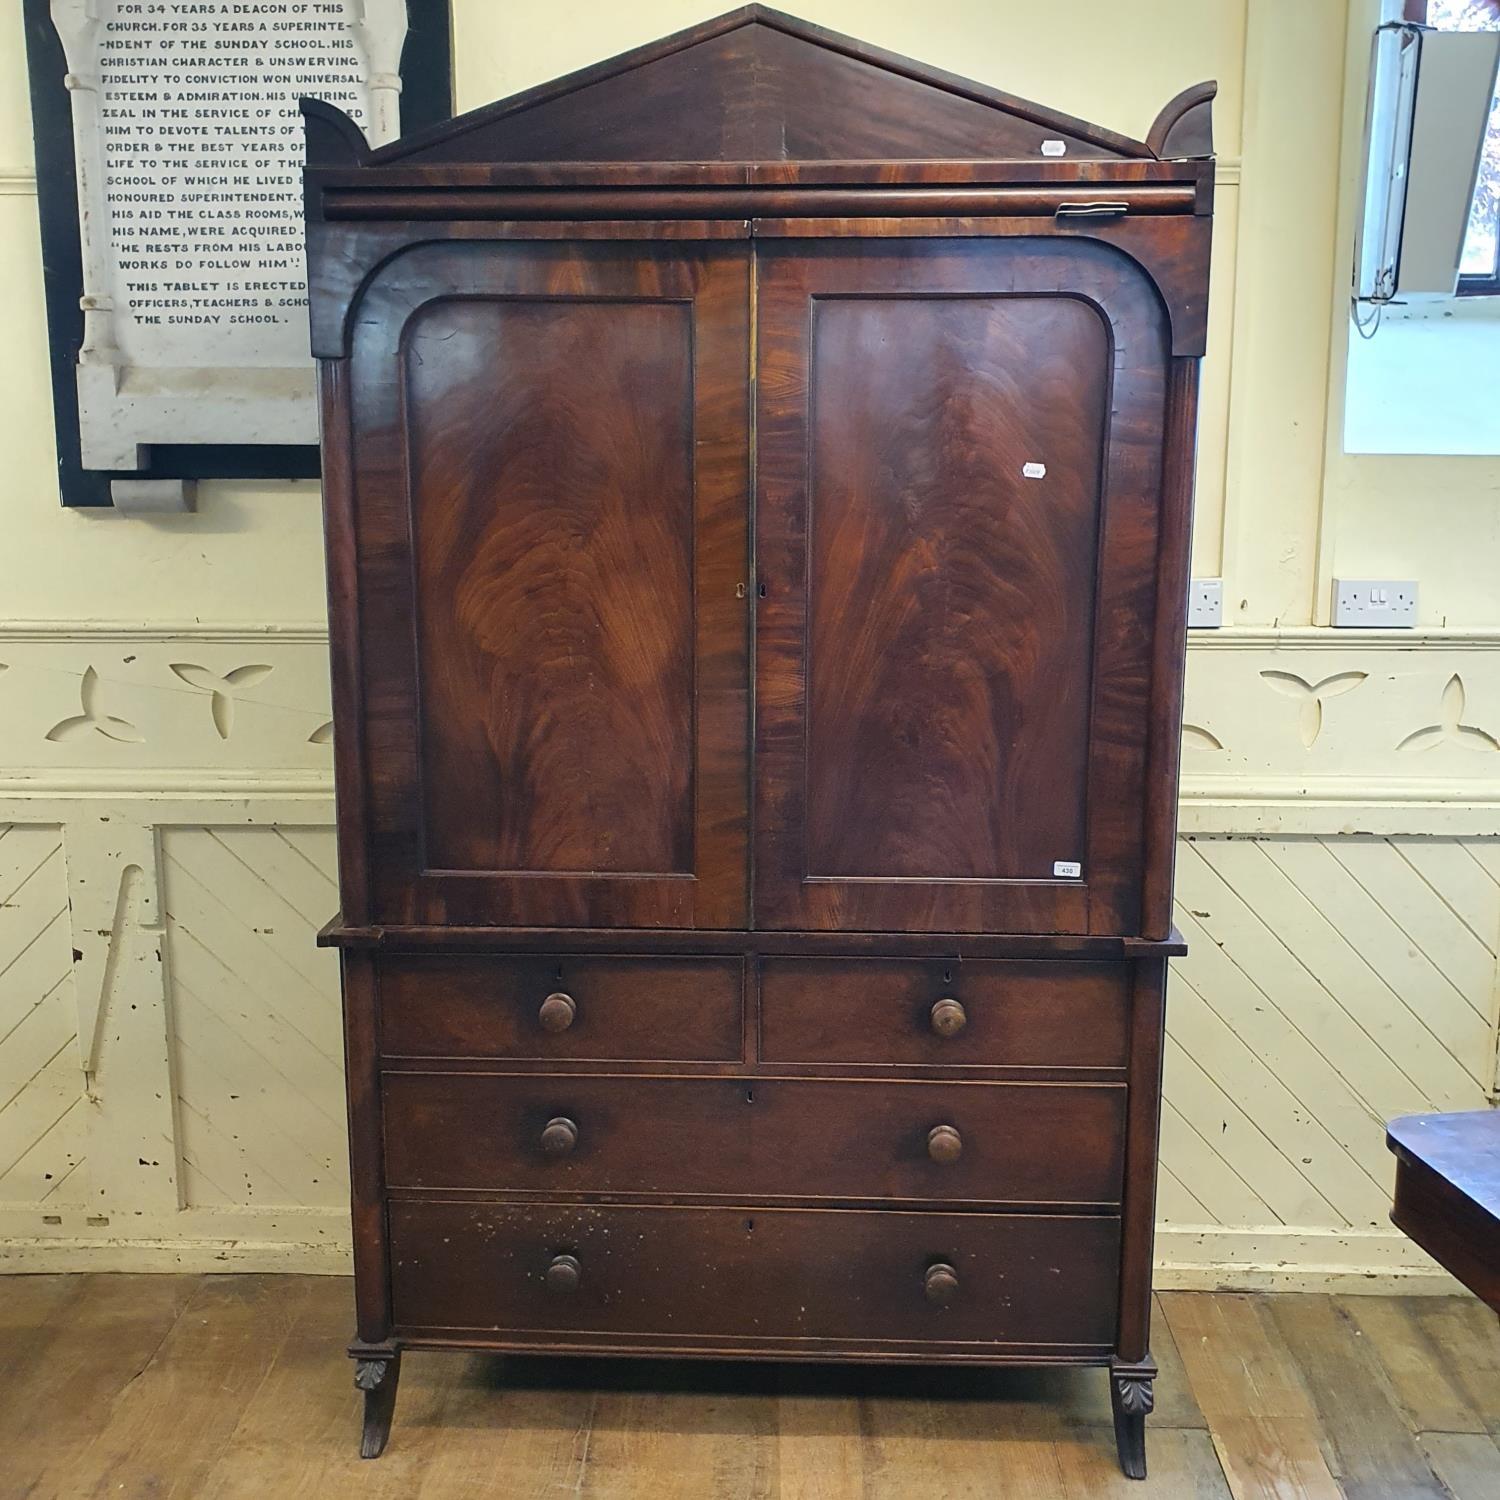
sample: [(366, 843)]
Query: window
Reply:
[(1425, 384), (1479, 270)]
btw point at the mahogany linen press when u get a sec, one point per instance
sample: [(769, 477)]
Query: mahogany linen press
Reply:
[(757, 475)]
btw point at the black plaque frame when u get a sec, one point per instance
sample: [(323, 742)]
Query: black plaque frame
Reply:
[(426, 98)]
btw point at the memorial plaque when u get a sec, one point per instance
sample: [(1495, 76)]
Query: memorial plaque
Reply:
[(187, 154)]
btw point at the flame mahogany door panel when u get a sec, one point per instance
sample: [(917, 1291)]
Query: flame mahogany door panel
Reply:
[(959, 461), (553, 455)]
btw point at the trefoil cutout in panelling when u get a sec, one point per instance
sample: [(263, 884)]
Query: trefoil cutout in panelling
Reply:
[(93, 719), (1195, 737), (1450, 728), (221, 689), (1311, 696)]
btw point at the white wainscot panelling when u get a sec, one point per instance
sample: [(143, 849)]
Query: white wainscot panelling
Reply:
[(170, 1053), (171, 1080), (1342, 963), (90, 707), (1355, 731), (167, 795), (255, 1013), (42, 1105), (1331, 983)]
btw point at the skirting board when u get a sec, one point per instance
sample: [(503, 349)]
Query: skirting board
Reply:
[(306, 1241), (1283, 1259), (316, 1243)]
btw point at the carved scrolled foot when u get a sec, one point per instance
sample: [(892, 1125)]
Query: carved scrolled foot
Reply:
[(1132, 1396), (377, 1376)]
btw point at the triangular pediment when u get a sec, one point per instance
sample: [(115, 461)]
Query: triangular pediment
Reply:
[(758, 86)]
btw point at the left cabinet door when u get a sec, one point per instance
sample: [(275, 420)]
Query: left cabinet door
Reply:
[(550, 487)]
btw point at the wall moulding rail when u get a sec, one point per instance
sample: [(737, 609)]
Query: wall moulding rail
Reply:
[(164, 630)]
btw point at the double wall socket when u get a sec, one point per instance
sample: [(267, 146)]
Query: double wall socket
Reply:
[(1375, 602)]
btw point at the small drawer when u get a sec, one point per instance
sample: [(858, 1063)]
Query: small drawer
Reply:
[(743, 1138), (563, 1009), (940, 1012), (798, 1280)]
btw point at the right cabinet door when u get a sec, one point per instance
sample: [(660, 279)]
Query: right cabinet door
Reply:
[(958, 475)]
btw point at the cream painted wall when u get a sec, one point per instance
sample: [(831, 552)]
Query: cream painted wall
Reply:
[(1268, 458), (169, 1095), (253, 552)]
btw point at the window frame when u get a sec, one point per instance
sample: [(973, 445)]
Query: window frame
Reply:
[(1470, 285)]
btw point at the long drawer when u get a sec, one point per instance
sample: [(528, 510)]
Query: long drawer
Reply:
[(1026, 1143), (554, 1274), (940, 1012), (563, 1009)]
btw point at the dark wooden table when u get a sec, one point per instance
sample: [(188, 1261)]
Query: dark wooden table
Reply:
[(1448, 1193)]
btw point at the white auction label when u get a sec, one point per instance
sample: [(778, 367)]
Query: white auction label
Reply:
[(1054, 148), (1034, 471), (1067, 869)]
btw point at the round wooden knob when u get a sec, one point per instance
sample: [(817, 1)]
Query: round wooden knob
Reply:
[(557, 1011), (940, 1283), (944, 1144), (559, 1136), (563, 1274), (948, 1017)]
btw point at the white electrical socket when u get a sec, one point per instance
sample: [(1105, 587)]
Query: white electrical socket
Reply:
[(1375, 601), (1205, 604)]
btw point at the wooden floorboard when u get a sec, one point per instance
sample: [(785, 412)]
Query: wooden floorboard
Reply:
[(1373, 1452), (1460, 1332), (1431, 1400), (163, 1431), (30, 1316), (1468, 1465), (100, 1341), (232, 1387)]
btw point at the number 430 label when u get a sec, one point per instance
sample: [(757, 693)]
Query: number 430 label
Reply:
[(1067, 869)]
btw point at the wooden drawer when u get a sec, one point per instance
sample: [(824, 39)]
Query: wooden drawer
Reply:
[(779, 1278), (1045, 1014), (646, 1009), (756, 1138)]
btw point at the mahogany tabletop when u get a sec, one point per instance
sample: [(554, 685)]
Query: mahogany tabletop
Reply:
[(1448, 1192)]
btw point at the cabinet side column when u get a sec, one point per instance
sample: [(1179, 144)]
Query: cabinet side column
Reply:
[(372, 1294), (345, 669), (1143, 1112), (1169, 648)]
